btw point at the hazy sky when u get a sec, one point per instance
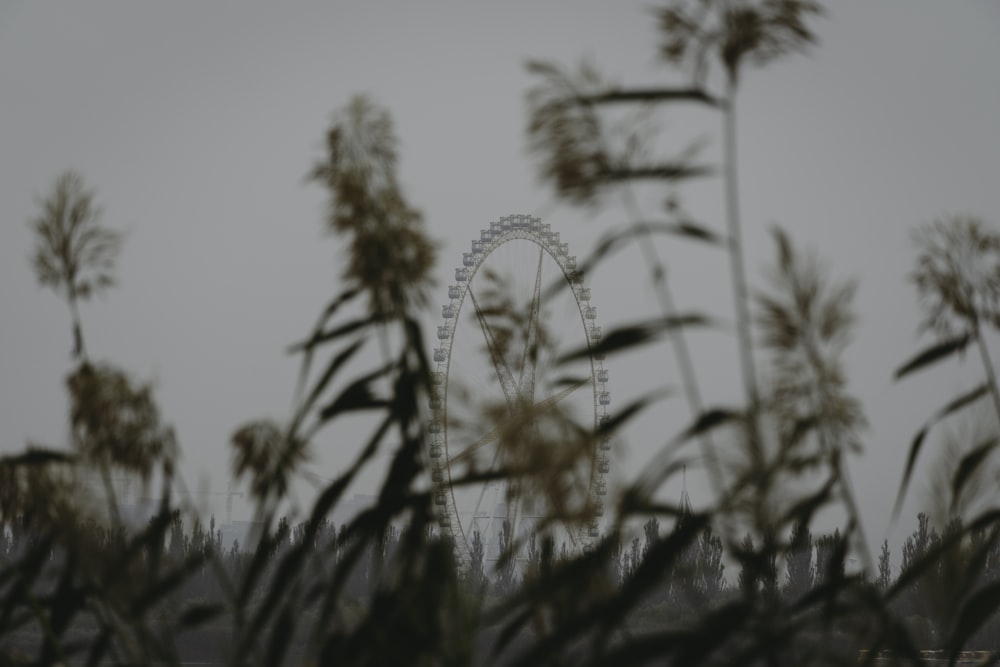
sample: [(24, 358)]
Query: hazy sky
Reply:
[(197, 123)]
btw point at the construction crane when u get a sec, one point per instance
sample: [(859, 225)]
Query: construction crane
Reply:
[(229, 494)]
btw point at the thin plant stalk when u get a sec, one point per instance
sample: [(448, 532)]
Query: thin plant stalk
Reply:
[(79, 348), (841, 474), (991, 377), (681, 352), (819, 397), (737, 270)]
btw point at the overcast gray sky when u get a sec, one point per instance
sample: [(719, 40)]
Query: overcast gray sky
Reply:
[(197, 122)]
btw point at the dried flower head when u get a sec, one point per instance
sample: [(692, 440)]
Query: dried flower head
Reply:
[(958, 274), (36, 489), (73, 255), (390, 256), (115, 423), (550, 458), (569, 132), (806, 322), (734, 31), (262, 450)]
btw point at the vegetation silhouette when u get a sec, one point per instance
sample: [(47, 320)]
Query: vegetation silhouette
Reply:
[(73, 253), (743, 580)]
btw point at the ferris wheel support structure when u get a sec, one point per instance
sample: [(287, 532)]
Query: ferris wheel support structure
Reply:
[(516, 378)]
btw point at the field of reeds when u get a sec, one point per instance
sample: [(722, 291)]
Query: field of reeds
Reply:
[(744, 579)]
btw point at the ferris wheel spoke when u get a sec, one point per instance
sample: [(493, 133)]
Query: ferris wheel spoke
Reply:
[(490, 436), (477, 510), (510, 387), (529, 356)]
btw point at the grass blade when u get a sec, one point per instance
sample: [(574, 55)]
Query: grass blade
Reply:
[(918, 441), (969, 464), (933, 354), (357, 396), (911, 460), (34, 456), (975, 612), (338, 361), (637, 334)]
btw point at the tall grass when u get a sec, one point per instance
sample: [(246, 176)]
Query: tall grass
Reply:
[(80, 586)]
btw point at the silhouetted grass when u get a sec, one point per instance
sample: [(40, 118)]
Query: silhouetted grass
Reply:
[(78, 585)]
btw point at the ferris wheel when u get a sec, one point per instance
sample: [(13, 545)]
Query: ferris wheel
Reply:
[(504, 395)]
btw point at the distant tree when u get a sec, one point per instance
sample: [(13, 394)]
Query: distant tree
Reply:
[(617, 566), (74, 255), (632, 558), (651, 531), (177, 546), (684, 582), (533, 558), (917, 544), (799, 573), (214, 536), (769, 568), (749, 577), (758, 568), (711, 579), (478, 554), (383, 552), (987, 542), (830, 552), (884, 568), (198, 537), (533, 554), (915, 549), (508, 559)]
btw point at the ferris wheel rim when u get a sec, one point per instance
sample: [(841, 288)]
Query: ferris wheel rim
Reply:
[(500, 232)]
